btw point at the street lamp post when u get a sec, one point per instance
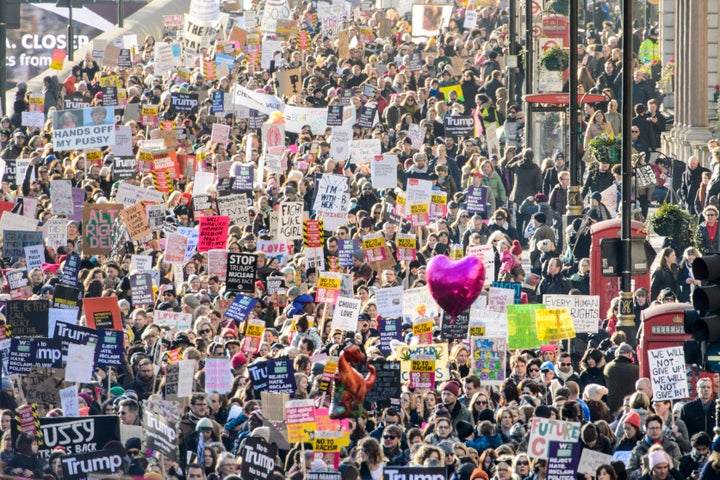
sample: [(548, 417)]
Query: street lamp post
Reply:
[(627, 316), (574, 200)]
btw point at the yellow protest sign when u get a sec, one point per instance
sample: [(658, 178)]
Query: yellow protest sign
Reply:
[(438, 350), (554, 324), (300, 418)]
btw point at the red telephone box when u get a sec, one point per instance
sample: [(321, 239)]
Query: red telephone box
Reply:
[(661, 327), (609, 287)]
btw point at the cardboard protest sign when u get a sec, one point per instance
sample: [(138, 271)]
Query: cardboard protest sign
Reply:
[(346, 313), (141, 289), (389, 302), (328, 287), (290, 225), (160, 435), (522, 329), (258, 459), (300, 420), (438, 350), (99, 227), (235, 207), (241, 307), (416, 473), (55, 232), (554, 324), (241, 272), (590, 460), (213, 232), (383, 169), (487, 359), (82, 358), (332, 200), (18, 282), (427, 20), (545, 431), (136, 222), (61, 197), (78, 466), (175, 248), (15, 241), (667, 372), (217, 263), (86, 128), (176, 320), (218, 376), (76, 434), (27, 318), (281, 376), (457, 328), (102, 313), (584, 310), (184, 102), (110, 349), (459, 126)]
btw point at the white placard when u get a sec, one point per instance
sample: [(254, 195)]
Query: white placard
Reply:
[(668, 374), (383, 169), (82, 357), (69, 401), (584, 309), (389, 302), (346, 313)]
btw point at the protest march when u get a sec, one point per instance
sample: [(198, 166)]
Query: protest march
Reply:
[(305, 240)]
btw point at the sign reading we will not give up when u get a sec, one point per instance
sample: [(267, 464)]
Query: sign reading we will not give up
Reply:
[(668, 373)]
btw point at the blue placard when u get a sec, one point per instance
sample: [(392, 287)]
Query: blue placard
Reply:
[(241, 307)]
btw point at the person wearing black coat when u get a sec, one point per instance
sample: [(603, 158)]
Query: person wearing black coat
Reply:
[(665, 275), (25, 461), (691, 180)]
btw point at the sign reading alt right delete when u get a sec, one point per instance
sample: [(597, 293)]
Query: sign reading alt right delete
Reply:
[(667, 372)]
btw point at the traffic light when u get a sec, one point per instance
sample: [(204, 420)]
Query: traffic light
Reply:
[(703, 323)]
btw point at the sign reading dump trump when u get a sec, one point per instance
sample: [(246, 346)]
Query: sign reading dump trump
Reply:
[(83, 128)]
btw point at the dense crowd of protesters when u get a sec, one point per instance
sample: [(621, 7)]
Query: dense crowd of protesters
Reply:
[(474, 430)]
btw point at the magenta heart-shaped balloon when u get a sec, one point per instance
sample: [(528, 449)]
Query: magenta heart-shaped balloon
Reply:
[(455, 284)]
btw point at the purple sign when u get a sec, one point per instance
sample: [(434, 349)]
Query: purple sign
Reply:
[(345, 251), (241, 307), (564, 460), (389, 330)]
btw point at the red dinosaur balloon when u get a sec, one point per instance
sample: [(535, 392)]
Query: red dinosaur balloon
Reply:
[(350, 385)]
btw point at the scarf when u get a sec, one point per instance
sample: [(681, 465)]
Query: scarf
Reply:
[(564, 376)]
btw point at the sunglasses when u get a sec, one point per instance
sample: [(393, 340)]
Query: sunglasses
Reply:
[(205, 330), (133, 453), (389, 437), (565, 364), (481, 402), (534, 369), (523, 463)]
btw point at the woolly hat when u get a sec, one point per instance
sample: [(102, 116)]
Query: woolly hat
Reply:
[(238, 360), (452, 386), (540, 217), (633, 418), (596, 196), (594, 392), (656, 458), (204, 424), (464, 430), (547, 366), (359, 255), (516, 248)]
